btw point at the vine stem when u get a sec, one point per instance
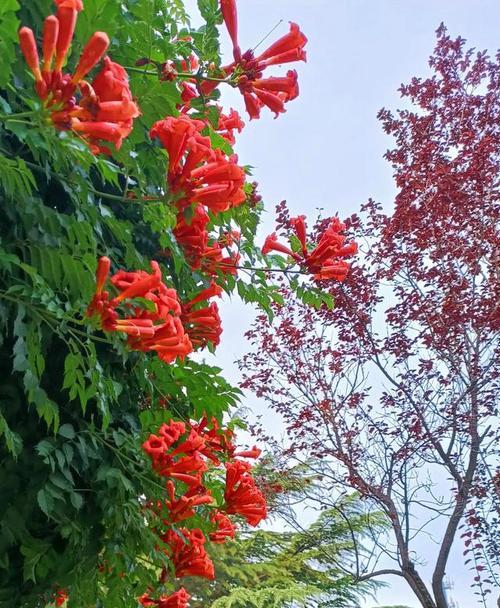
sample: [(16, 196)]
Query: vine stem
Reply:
[(121, 455), (49, 319), (264, 269), (198, 77), (5, 117), (106, 195), (267, 35)]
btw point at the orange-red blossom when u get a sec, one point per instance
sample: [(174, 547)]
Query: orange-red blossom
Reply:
[(154, 328), (247, 69), (179, 599), (242, 495), (105, 110), (203, 179), (326, 261)]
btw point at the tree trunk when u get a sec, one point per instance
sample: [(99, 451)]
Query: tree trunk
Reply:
[(419, 588), (460, 505)]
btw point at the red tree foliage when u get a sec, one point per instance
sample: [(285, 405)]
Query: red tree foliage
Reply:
[(394, 389)]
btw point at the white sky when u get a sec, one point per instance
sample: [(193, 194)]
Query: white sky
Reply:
[(326, 151)]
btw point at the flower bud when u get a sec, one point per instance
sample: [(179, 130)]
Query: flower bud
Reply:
[(50, 34), (91, 55), (28, 47)]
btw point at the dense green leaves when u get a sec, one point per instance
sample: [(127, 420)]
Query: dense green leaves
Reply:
[(308, 567), (76, 403), (8, 38)]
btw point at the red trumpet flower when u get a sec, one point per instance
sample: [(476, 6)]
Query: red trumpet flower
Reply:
[(255, 452), (293, 42), (217, 441), (184, 507), (172, 431), (29, 49), (271, 244), (326, 261), (199, 173), (155, 447), (157, 328), (225, 528), (50, 35), (101, 112), (241, 495), (67, 14), (203, 325), (228, 124), (257, 91), (179, 599), (91, 55), (188, 553), (230, 16)]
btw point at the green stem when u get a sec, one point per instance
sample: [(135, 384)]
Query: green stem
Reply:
[(147, 561), (5, 117), (121, 455), (106, 195), (49, 319), (21, 122), (141, 71), (264, 269), (198, 77)]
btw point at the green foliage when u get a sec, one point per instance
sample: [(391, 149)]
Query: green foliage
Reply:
[(309, 567), (17, 179), (75, 403), (8, 38)]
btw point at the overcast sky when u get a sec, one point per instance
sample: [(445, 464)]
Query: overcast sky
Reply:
[(326, 151)]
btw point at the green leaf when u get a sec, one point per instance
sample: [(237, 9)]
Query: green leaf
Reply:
[(13, 440), (76, 500), (45, 501), (9, 24), (67, 431), (44, 447), (61, 482)]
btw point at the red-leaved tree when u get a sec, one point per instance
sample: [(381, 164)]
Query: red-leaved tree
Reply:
[(394, 388)]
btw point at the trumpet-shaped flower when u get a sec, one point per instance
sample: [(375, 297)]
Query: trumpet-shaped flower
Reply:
[(101, 112)]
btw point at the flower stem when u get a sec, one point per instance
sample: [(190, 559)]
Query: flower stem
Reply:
[(198, 77), (265, 269), (5, 117)]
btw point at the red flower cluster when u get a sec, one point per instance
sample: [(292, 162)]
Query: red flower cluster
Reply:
[(157, 327), (163, 325), (224, 528), (184, 453), (326, 261), (203, 179), (198, 173), (203, 324), (242, 495), (179, 599), (216, 261), (228, 124), (105, 110), (61, 597), (247, 69), (188, 554)]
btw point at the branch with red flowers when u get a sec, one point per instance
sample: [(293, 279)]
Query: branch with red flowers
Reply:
[(185, 455), (198, 76), (105, 110), (163, 311)]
